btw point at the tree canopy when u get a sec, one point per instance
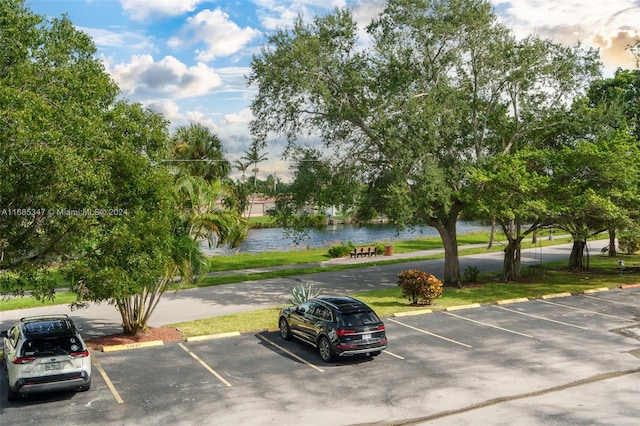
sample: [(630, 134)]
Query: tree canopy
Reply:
[(442, 87)]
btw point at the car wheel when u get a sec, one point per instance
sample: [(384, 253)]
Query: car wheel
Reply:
[(325, 349), (285, 331)]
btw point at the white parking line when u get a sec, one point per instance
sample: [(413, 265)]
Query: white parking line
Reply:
[(489, 325), (392, 354), (586, 310), (315, 367), (539, 317), (107, 380), (205, 365), (602, 299), (429, 333)]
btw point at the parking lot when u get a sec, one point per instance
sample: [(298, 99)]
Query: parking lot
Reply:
[(563, 359)]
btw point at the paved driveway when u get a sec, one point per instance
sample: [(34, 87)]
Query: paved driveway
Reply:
[(557, 360)]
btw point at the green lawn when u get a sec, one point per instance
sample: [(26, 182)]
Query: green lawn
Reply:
[(603, 273)]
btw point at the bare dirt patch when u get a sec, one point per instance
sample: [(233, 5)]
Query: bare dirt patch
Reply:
[(166, 334)]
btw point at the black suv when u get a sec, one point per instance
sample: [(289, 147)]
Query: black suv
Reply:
[(337, 326)]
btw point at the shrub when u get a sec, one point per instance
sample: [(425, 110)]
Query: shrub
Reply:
[(301, 293), (419, 286), (470, 274), (629, 241), (341, 250)]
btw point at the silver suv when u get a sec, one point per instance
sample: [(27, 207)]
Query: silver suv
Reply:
[(43, 354)]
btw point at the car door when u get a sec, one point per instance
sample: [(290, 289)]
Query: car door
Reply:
[(308, 322), (298, 320), (323, 318)]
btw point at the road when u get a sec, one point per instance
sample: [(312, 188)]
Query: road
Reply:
[(207, 302)]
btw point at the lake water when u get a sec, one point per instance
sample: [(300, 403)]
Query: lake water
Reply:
[(275, 239)]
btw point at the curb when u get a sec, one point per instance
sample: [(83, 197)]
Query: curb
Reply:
[(212, 336), (595, 290), (554, 295), (412, 313), (508, 301), (460, 307), (625, 286), (129, 346)]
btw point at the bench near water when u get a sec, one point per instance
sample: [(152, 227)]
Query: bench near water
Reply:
[(364, 252)]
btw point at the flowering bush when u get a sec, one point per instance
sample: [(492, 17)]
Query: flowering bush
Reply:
[(418, 286)]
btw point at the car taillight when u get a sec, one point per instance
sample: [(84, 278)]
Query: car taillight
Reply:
[(342, 332), (80, 354), (380, 328), (24, 360)]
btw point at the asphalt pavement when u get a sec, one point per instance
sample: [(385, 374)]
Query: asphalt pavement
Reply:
[(206, 302)]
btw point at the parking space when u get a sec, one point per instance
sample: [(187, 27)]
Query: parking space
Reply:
[(437, 366)]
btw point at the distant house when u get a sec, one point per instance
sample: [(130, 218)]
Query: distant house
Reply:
[(259, 205)]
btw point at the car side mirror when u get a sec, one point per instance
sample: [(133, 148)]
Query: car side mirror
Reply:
[(80, 327), (4, 333), (300, 310)]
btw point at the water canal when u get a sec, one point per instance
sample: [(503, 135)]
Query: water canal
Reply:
[(276, 239)]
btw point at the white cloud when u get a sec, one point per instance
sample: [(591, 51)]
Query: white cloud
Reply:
[(169, 109), (142, 9), (221, 36), (201, 118), (148, 79), (277, 14), (608, 25)]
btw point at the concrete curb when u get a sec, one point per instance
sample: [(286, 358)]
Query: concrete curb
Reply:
[(212, 336), (129, 346), (461, 307), (554, 295), (625, 286), (412, 313), (509, 301), (595, 290)]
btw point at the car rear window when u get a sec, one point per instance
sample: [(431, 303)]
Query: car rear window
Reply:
[(52, 346), (358, 318), (54, 327)]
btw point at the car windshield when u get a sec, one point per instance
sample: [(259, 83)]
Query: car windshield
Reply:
[(358, 318), (51, 346)]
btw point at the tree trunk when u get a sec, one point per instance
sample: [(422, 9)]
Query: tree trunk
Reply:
[(576, 260), (447, 231), (612, 243), (492, 236), (512, 260)]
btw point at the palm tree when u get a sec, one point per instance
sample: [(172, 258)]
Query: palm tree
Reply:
[(254, 157), (199, 152), (200, 214)]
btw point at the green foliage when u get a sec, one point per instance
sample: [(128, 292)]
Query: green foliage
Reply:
[(419, 286), (198, 152), (341, 250), (629, 241), (470, 274), (301, 293), (441, 87)]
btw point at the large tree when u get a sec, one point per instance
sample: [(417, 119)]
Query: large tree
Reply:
[(594, 188), (56, 136), (442, 86)]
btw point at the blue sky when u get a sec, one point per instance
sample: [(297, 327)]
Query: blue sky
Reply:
[(187, 58)]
